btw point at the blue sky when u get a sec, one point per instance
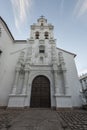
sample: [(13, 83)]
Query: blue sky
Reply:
[(69, 18)]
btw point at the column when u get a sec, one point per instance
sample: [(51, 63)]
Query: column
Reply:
[(65, 87), (82, 85), (85, 83), (25, 82), (56, 82), (16, 82)]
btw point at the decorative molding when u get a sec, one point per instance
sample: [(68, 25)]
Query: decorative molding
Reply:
[(17, 95), (31, 41), (52, 41), (61, 61), (62, 95), (32, 27), (41, 41), (41, 27), (51, 27), (0, 31)]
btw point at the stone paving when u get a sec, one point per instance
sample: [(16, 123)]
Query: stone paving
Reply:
[(75, 119), (42, 119), (32, 119)]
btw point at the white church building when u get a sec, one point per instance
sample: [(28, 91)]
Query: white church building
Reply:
[(34, 72)]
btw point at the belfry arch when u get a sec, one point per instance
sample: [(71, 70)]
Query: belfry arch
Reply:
[(40, 92)]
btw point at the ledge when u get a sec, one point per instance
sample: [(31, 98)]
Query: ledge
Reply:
[(17, 95), (61, 95)]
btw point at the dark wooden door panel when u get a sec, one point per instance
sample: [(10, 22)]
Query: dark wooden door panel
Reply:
[(40, 94)]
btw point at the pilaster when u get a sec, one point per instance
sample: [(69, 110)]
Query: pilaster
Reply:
[(55, 72), (24, 91), (63, 70), (16, 82)]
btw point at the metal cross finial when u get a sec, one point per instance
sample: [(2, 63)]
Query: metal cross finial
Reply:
[(42, 16)]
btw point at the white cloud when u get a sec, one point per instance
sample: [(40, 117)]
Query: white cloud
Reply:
[(61, 7), (20, 9), (83, 8), (77, 6), (80, 8)]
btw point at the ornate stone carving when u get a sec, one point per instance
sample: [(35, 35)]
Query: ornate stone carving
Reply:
[(15, 83), (61, 61), (53, 54), (24, 90), (19, 71), (62, 70), (29, 55), (52, 41), (83, 95), (32, 27), (42, 27), (41, 41), (31, 41), (0, 31), (51, 27)]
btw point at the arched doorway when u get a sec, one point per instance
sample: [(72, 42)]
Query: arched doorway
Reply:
[(40, 93)]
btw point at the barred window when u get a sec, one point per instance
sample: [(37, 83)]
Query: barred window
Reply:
[(46, 35), (0, 52), (37, 35), (41, 49)]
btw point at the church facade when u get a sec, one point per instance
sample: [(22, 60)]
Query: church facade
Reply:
[(34, 72)]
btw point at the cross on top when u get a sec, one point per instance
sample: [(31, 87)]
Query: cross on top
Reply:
[(42, 16)]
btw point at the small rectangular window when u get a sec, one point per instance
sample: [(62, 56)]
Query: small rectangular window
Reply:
[(0, 52), (41, 51)]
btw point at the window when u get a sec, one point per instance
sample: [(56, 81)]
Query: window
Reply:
[(46, 35), (41, 24), (41, 49), (37, 35), (0, 52), (41, 59)]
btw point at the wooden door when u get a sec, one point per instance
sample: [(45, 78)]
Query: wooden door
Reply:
[(40, 93)]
